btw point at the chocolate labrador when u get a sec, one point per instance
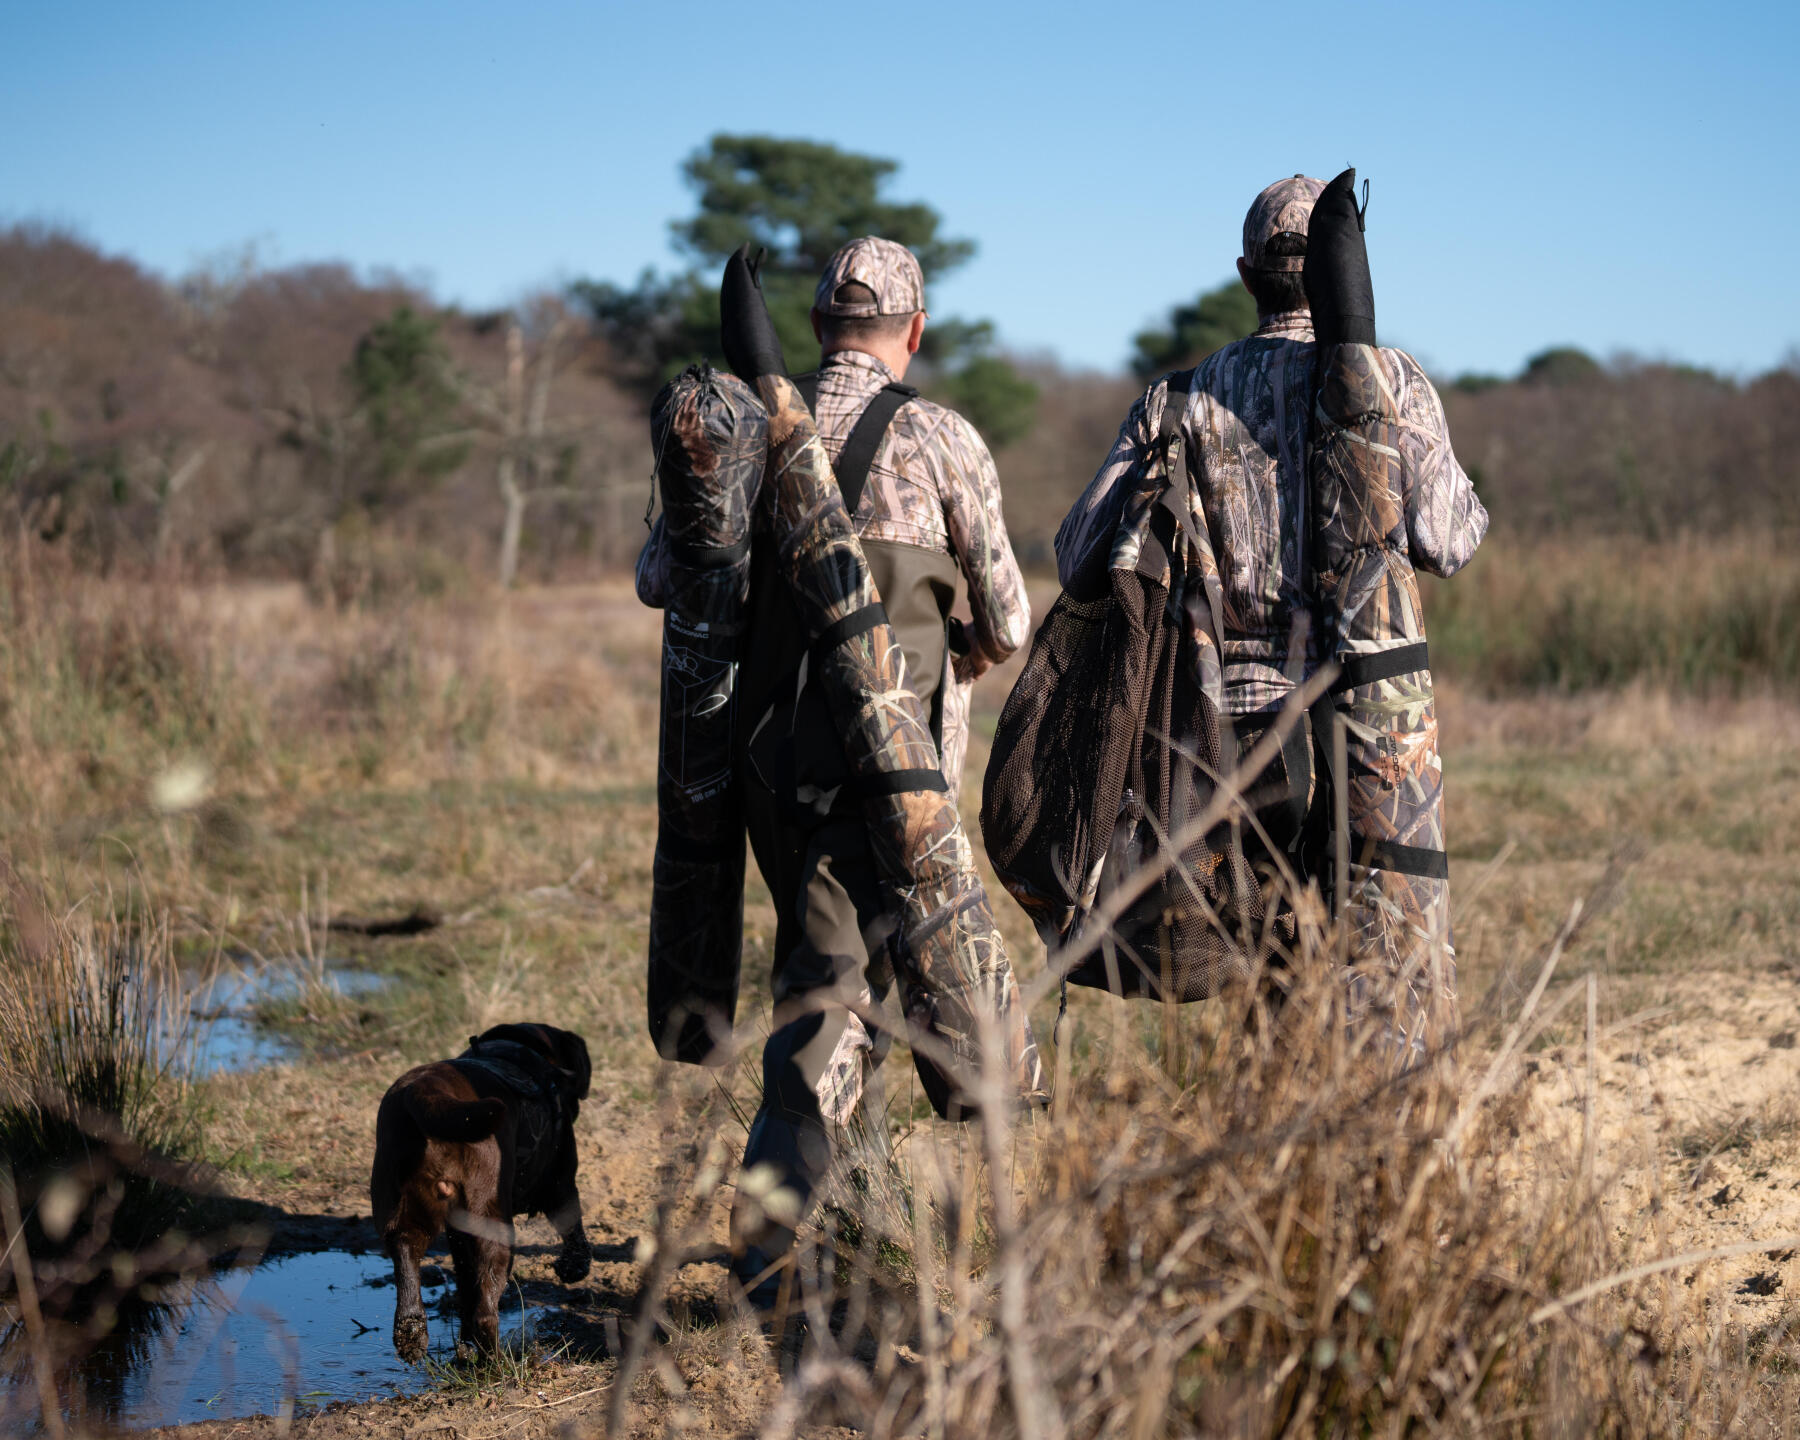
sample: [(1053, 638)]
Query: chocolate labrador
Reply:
[(463, 1146)]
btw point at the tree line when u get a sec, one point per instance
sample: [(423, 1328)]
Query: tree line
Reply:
[(307, 421)]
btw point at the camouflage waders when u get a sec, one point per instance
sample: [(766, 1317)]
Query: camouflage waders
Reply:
[(947, 954)]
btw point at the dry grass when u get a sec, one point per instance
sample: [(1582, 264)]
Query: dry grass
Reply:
[(1707, 617), (1262, 1230), (1225, 1236)]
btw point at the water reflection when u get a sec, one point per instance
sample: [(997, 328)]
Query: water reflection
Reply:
[(296, 1330), (223, 1025)]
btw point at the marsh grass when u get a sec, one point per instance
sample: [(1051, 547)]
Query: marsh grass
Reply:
[(104, 1213), (1276, 1231), (524, 1358), (1702, 617), (96, 1114), (1213, 1236)]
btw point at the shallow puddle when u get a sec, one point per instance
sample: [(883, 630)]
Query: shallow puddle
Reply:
[(302, 1330), (224, 1032)]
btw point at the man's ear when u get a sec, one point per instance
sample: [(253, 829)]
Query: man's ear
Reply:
[(1244, 275), (818, 328), (914, 335)]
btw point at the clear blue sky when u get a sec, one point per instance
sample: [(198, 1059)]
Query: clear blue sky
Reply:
[(1608, 175)]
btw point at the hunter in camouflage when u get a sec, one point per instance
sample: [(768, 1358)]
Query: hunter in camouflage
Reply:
[(947, 953), (1269, 462), (885, 889)]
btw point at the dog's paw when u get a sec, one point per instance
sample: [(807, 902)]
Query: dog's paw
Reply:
[(573, 1263), (410, 1338)]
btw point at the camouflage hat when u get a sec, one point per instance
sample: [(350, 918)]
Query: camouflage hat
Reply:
[(890, 270), (1282, 209)]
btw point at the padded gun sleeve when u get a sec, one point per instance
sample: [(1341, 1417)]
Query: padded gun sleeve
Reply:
[(711, 437), (1398, 889)]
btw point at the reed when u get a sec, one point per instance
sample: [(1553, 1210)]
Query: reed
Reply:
[(97, 1120)]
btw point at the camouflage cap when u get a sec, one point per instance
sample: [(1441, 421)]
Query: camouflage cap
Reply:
[(890, 270), (1284, 208)]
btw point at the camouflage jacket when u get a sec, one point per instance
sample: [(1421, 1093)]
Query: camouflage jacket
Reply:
[(1245, 437), (932, 484)]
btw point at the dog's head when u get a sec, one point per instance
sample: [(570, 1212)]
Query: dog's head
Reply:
[(564, 1049)]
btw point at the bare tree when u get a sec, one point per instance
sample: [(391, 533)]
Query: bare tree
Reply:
[(517, 413)]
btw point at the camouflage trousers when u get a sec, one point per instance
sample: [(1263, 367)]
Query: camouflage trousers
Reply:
[(820, 1056)]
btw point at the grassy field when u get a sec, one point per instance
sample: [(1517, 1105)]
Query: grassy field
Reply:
[(249, 764)]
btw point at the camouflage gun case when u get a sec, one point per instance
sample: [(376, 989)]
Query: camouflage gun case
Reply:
[(711, 440), (1387, 780)]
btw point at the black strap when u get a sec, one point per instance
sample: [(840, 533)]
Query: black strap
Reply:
[(858, 454), (808, 386), (899, 782), (1368, 667), (857, 622), (1417, 860), (707, 557)]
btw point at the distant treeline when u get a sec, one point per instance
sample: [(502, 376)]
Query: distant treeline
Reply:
[(309, 422), (304, 421)]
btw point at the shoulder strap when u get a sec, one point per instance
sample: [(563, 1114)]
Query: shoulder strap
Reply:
[(865, 439), (808, 386), (1181, 386)]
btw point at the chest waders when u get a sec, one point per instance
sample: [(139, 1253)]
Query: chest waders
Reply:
[(1376, 732), (711, 439), (956, 983), (790, 740)]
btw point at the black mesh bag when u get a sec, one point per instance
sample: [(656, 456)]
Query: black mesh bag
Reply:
[(1108, 751)]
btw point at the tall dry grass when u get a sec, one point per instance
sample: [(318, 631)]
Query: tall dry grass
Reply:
[(1242, 1231), (97, 1117), (111, 688), (1262, 1229), (1701, 616)]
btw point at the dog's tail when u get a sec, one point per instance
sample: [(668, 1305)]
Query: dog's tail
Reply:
[(462, 1120)]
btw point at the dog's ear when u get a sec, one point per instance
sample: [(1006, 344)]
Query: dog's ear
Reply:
[(572, 1055)]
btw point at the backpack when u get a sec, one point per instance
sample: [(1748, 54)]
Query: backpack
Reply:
[(1109, 746)]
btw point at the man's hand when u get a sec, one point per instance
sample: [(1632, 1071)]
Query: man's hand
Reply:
[(1336, 273), (970, 667), (746, 333)]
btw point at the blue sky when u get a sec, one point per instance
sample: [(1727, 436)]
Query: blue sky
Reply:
[(1608, 175)]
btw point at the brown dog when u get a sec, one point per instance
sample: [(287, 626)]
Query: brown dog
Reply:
[(464, 1145)]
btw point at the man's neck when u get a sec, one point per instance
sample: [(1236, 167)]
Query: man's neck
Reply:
[(895, 357), (1279, 321)]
